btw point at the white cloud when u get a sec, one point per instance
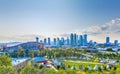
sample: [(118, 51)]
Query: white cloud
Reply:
[(110, 27), (99, 32)]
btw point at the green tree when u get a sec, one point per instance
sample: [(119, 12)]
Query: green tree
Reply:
[(31, 54), (5, 60), (28, 69), (119, 49), (6, 65), (21, 52), (27, 52), (109, 49), (7, 70)]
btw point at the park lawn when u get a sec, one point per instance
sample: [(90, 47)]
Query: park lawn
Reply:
[(83, 63)]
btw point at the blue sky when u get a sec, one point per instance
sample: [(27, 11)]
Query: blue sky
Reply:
[(20, 19)]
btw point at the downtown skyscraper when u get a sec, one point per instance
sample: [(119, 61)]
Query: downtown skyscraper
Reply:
[(85, 40), (81, 40), (71, 39), (55, 41), (49, 41), (107, 40)]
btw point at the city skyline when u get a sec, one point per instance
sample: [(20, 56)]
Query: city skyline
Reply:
[(25, 19)]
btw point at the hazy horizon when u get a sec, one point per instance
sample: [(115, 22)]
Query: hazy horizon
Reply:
[(23, 20)]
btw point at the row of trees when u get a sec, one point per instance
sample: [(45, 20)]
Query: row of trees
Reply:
[(21, 53), (58, 52), (115, 56)]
